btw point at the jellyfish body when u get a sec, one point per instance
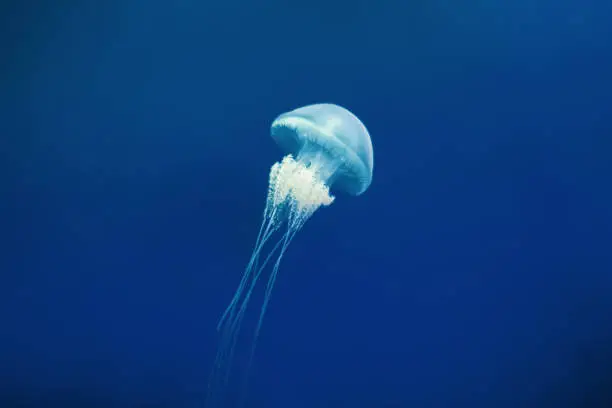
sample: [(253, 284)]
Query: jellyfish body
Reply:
[(326, 146)]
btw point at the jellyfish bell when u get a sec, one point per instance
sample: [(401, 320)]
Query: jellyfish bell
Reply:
[(332, 140), (326, 146)]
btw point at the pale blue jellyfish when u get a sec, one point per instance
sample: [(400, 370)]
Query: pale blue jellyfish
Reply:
[(327, 147)]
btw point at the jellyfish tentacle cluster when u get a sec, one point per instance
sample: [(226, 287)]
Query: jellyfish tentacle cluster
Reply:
[(326, 146)]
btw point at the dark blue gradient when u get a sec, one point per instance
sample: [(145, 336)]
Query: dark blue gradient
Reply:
[(475, 272)]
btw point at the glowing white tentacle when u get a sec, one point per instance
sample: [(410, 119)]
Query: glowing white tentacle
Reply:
[(295, 192)]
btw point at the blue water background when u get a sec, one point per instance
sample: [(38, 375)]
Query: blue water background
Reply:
[(475, 272)]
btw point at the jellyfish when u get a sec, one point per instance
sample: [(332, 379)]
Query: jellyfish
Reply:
[(326, 146)]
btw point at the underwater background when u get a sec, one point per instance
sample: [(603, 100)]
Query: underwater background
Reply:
[(475, 272)]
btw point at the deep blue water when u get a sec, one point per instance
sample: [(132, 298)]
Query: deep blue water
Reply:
[(475, 272)]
